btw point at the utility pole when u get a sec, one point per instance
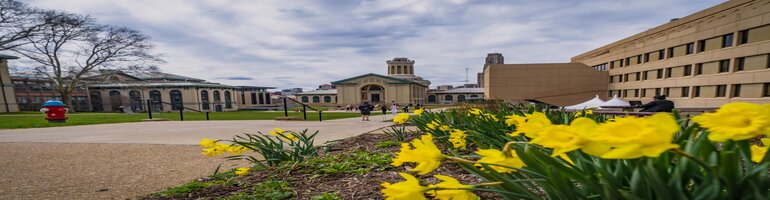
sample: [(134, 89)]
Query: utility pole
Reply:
[(466, 75)]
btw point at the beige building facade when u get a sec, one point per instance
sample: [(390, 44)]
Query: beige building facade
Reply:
[(704, 60), (320, 97), (712, 57), (400, 86), (7, 97)]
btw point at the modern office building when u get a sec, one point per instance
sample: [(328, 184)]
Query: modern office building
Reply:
[(703, 60)]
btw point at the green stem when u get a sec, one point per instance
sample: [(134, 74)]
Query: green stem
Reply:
[(459, 160), (711, 169)]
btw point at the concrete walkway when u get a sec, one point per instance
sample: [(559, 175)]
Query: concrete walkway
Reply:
[(188, 132)]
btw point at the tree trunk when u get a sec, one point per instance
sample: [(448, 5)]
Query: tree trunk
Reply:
[(66, 97)]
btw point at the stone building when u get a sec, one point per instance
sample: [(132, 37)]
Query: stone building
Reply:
[(31, 92), (703, 60), (254, 97), (318, 97), (401, 86), (7, 96), (451, 95)]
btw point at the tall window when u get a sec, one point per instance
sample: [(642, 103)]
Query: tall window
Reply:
[(660, 73), (205, 100), (727, 40), (316, 99), (644, 75), (687, 70), (696, 91), (647, 57), (766, 90), (625, 77), (690, 48), (702, 46), (155, 98), (668, 72), (116, 100), (327, 99), (217, 97), (657, 91), (666, 90), (739, 63), (721, 90), (699, 69), (639, 59), (724, 66), (685, 91), (737, 90), (661, 54), (670, 52), (228, 100), (176, 100), (253, 98), (638, 76), (304, 99), (743, 37)]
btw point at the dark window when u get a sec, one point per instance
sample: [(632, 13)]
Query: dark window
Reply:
[(665, 91), (739, 62), (176, 100), (724, 66), (701, 45), (621, 63), (696, 91), (253, 98), (766, 90), (644, 92), (687, 70), (727, 40), (743, 37), (699, 69), (304, 99), (644, 75), (668, 72), (316, 99), (670, 52), (685, 91), (612, 65), (205, 100), (690, 48), (327, 99), (628, 61), (625, 77), (737, 90), (638, 76), (721, 90), (661, 54), (660, 73), (228, 100), (647, 57), (639, 59), (636, 92), (625, 93)]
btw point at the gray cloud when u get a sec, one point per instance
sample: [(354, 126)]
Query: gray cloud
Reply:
[(307, 43)]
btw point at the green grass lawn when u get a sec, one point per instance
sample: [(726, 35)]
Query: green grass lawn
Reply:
[(37, 119)]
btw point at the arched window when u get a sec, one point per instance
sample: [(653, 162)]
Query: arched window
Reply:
[(327, 99), (432, 98), (155, 100), (217, 98), (228, 100), (136, 100), (372, 93), (176, 100), (316, 99), (205, 100), (398, 69), (460, 98), (304, 99), (448, 98), (115, 101), (96, 101)]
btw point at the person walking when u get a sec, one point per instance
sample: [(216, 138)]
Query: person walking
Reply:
[(384, 109), (394, 108), (366, 110)]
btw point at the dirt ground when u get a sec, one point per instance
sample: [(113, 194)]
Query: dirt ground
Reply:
[(97, 171)]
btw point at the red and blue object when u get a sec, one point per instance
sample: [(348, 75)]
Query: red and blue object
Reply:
[(55, 112)]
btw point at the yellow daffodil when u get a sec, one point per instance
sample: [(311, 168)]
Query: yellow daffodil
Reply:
[(757, 152), (514, 119), (290, 136), (433, 125), (457, 138), (276, 131), (206, 143), (584, 113), (494, 156), (215, 150), (418, 112), (236, 149), (535, 123), (427, 156), (489, 116), (450, 189), (563, 138), (242, 171), (474, 111), (444, 128), (410, 189), (736, 121), (633, 137), (401, 118)]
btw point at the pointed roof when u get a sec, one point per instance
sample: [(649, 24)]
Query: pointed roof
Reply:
[(397, 80), (593, 103), (615, 101), (167, 76)]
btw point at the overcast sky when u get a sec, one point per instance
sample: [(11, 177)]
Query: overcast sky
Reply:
[(288, 43)]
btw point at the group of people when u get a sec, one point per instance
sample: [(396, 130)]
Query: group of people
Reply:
[(366, 109)]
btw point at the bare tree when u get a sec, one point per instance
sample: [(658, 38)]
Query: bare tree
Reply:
[(17, 23), (73, 46)]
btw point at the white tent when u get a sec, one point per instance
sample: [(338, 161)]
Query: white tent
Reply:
[(593, 103), (615, 101)]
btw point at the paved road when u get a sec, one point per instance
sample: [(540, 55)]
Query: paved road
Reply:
[(187, 132), (118, 161)]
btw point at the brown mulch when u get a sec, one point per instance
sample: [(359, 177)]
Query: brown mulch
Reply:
[(346, 185)]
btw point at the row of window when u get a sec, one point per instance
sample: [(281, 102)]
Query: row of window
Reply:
[(317, 99), (708, 91), (744, 36), (721, 66)]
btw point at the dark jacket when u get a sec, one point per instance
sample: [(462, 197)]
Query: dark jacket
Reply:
[(658, 106)]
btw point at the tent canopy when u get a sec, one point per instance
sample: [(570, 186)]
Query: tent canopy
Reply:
[(596, 102), (615, 101)]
